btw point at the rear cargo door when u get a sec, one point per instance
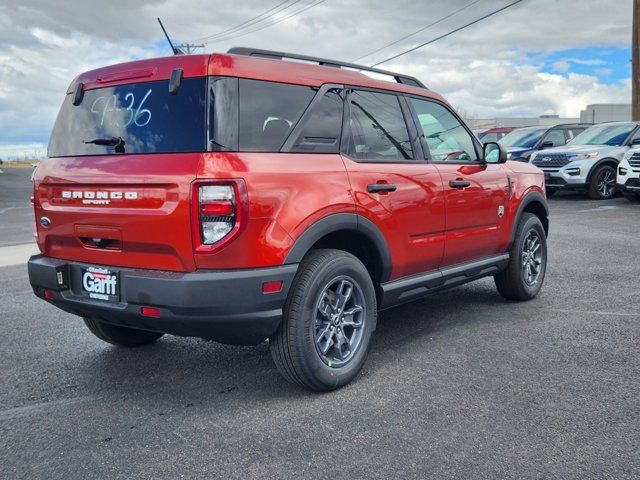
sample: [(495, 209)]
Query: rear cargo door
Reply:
[(116, 188)]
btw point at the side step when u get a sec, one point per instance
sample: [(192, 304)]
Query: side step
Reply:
[(409, 288)]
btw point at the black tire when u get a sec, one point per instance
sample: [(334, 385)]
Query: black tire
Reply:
[(512, 283), (602, 185), (121, 336), (551, 192), (295, 346)]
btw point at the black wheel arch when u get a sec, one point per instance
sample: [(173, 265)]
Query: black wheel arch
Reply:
[(340, 227), (605, 161), (533, 202)]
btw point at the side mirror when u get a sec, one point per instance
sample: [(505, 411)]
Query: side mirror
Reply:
[(494, 153), (547, 144)]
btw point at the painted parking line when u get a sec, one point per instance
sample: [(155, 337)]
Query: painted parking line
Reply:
[(17, 254)]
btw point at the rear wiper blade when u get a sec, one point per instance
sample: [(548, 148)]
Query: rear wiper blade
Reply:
[(110, 142), (117, 142)]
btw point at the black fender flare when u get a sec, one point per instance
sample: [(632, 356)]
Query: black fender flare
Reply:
[(339, 222), (528, 199), (601, 162)]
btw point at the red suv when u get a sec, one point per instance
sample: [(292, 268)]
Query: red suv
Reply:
[(241, 197)]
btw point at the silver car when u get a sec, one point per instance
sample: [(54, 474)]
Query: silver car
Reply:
[(588, 162)]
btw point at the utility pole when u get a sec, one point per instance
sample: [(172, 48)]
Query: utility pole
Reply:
[(635, 64), (189, 48)]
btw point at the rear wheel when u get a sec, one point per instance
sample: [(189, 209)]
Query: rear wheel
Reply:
[(603, 183), (121, 336), (329, 318), (523, 277)]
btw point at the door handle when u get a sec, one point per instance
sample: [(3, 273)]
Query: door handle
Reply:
[(459, 183), (381, 187)]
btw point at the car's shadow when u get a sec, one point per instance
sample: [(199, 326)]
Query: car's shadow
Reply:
[(187, 370)]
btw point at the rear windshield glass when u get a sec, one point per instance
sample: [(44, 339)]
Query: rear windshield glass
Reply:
[(134, 118)]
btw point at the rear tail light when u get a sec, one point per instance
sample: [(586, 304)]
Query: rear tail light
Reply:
[(219, 212)]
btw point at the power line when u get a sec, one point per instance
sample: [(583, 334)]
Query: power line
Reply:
[(262, 27), (418, 31), (251, 22), (446, 34)]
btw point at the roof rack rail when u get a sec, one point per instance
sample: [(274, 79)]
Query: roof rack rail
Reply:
[(255, 52)]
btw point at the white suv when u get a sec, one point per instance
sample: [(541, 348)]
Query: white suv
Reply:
[(589, 161), (629, 174)]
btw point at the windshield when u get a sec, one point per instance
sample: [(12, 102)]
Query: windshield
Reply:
[(134, 118), (525, 138), (613, 135)]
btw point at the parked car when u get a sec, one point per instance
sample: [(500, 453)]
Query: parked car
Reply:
[(522, 142), (494, 134), (239, 197), (629, 173), (590, 161)]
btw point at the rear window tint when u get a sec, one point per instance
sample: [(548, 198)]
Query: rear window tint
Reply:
[(378, 129), (320, 132), (145, 116), (268, 113)]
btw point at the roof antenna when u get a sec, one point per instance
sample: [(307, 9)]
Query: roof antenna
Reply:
[(176, 51)]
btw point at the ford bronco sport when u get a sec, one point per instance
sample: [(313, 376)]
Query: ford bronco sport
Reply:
[(241, 197)]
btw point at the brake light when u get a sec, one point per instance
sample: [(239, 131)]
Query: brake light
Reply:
[(219, 212)]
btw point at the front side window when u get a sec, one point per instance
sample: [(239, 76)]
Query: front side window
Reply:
[(446, 137), (268, 113), (556, 137), (377, 128), (133, 118)]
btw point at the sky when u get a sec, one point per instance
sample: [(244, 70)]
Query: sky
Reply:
[(537, 57)]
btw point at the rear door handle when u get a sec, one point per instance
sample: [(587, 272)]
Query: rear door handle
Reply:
[(459, 183), (381, 187)]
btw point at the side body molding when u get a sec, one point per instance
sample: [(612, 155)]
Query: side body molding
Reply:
[(343, 222)]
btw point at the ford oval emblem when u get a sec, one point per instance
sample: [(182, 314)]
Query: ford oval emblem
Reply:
[(546, 159), (45, 222)]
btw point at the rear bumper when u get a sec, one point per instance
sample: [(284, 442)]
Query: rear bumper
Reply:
[(223, 305)]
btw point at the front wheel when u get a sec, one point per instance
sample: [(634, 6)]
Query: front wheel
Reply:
[(603, 183), (329, 318), (523, 277)]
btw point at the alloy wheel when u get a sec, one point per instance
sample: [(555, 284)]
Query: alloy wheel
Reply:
[(339, 321), (606, 183), (532, 258)]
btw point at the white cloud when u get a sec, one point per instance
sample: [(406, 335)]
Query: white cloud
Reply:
[(561, 66)]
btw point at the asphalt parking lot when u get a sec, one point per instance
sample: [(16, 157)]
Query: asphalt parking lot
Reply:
[(461, 384)]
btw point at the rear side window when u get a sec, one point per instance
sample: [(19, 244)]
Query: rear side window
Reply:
[(135, 118), (322, 126), (268, 113), (377, 128)]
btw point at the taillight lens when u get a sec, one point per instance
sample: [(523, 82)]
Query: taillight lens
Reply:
[(217, 212), (219, 209)]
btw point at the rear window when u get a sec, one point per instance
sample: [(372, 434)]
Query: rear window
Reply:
[(268, 113), (144, 116), (378, 129)]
